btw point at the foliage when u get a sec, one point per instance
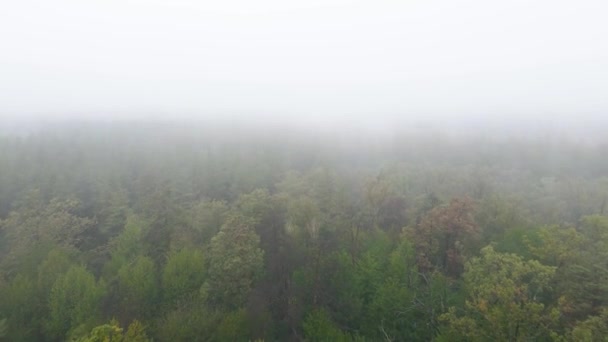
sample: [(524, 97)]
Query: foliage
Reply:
[(235, 262), (74, 300), (112, 332), (504, 300), (3, 328), (319, 327), (232, 234), (594, 328), (188, 322), (234, 327), (183, 275), (138, 287), (440, 238), (20, 306)]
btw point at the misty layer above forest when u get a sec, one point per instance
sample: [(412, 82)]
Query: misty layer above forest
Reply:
[(232, 233)]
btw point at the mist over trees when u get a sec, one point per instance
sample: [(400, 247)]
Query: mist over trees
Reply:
[(140, 231)]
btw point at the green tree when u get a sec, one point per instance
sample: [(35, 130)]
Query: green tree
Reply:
[(164, 216), (19, 303), (74, 300), (136, 332), (318, 327), (126, 246), (57, 263), (388, 209), (206, 219), (188, 322), (235, 262), (35, 228), (580, 255), (113, 212), (504, 300), (112, 332), (594, 328), (183, 275), (138, 287), (234, 327), (3, 328)]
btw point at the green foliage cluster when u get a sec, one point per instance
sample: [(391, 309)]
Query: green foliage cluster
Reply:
[(187, 234)]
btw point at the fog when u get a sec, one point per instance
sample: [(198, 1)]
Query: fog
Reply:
[(528, 61), (303, 171)]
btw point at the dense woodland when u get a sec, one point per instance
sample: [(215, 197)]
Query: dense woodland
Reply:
[(167, 232)]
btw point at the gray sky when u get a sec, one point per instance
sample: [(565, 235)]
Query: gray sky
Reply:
[(312, 58)]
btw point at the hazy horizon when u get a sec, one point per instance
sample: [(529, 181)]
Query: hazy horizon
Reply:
[(540, 61)]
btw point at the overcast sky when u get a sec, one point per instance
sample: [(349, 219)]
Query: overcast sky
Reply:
[(312, 58)]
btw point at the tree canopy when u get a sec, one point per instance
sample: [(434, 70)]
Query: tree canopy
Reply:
[(135, 232)]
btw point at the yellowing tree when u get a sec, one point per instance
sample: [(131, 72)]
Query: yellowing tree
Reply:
[(441, 235), (504, 300), (112, 332)]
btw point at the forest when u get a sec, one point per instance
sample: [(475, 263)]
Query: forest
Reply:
[(143, 231)]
